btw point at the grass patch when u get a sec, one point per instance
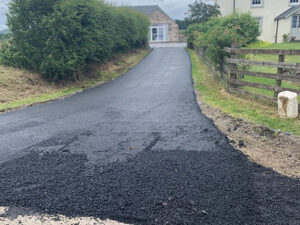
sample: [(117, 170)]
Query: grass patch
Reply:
[(19, 88), (213, 94), (35, 99)]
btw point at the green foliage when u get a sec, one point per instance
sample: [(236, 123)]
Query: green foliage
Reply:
[(285, 38), (193, 30), (200, 12), (182, 25), (259, 44), (5, 34), (218, 33), (59, 38)]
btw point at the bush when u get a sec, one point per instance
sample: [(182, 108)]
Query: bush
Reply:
[(59, 38), (194, 29), (222, 32), (285, 38)]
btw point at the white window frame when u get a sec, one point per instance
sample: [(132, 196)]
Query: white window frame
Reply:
[(165, 28), (260, 23), (257, 4), (294, 2), (297, 22)]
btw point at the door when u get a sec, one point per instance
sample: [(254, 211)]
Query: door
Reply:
[(154, 34), (295, 30), (159, 33)]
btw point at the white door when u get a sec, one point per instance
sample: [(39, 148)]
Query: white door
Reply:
[(295, 30), (159, 33)]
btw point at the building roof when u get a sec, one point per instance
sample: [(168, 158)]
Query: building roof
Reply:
[(148, 9), (288, 12)]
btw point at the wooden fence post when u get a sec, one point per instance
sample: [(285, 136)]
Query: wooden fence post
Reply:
[(233, 76), (280, 71)]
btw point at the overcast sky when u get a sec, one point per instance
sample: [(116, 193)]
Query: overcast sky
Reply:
[(174, 8), (3, 10)]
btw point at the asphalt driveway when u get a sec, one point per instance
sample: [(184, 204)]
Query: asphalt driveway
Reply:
[(137, 150)]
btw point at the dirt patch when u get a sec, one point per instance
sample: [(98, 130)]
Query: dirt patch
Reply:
[(13, 216), (267, 147), (16, 84)]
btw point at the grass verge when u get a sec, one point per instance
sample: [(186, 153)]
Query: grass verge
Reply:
[(214, 95), (20, 88)]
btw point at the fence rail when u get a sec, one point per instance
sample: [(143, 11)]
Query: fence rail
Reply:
[(234, 50), (286, 71), (284, 65), (234, 70)]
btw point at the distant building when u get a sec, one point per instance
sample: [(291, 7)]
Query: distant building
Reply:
[(163, 28), (275, 17)]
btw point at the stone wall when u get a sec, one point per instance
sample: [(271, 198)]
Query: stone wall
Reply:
[(160, 18)]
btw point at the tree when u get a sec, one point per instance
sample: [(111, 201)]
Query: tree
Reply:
[(182, 25), (200, 12)]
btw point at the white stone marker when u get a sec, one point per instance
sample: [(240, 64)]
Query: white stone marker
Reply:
[(288, 104)]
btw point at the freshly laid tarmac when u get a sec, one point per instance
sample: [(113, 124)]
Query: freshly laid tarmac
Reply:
[(137, 150)]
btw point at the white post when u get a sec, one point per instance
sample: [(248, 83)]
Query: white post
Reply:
[(288, 104)]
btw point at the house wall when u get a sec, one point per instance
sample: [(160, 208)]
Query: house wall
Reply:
[(268, 11), (284, 28), (159, 18)]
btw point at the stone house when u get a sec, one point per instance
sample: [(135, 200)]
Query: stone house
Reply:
[(163, 28), (275, 17)]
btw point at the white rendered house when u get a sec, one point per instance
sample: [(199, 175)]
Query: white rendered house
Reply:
[(275, 17)]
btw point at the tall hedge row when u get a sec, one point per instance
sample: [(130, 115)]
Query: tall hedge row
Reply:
[(221, 32), (59, 38)]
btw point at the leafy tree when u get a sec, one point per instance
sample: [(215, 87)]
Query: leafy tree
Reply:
[(200, 12), (182, 25), (221, 32)]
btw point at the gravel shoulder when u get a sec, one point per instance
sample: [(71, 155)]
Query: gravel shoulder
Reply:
[(267, 147)]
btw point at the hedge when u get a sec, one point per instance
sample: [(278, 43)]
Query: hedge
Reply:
[(60, 38), (222, 32)]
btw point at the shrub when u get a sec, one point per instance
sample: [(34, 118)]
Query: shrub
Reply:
[(285, 38), (193, 29), (59, 38), (222, 32), (243, 25)]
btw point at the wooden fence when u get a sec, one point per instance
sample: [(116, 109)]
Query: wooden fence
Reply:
[(285, 71)]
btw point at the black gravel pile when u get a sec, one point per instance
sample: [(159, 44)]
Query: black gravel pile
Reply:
[(172, 187)]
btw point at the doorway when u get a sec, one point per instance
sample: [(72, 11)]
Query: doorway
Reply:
[(159, 33)]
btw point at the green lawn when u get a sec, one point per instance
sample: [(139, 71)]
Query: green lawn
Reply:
[(213, 94), (268, 81)]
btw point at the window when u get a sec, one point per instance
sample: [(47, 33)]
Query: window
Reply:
[(296, 21), (294, 2), (259, 22), (257, 2)]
